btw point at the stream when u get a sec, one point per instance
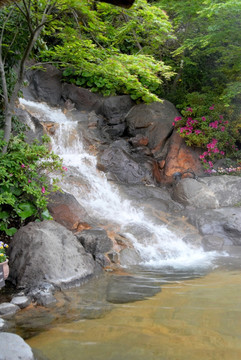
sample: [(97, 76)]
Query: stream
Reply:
[(172, 301)]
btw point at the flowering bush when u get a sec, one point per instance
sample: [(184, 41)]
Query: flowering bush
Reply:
[(24, 182), (211, 131), (3, 256)]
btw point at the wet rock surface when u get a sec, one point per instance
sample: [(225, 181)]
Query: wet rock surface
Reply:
[(51, 253), (67, 211)]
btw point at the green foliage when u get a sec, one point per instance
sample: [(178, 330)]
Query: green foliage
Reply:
[(25, 182), (110, 50), (207, 53)]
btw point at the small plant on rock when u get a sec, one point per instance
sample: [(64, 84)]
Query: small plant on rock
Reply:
[(25, 182)]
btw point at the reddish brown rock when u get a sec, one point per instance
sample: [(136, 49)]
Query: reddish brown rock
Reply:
[(66, 211), (180, 158)]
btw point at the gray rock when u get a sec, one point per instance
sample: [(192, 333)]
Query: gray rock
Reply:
[(209, 192), (226, 188), (13, 347), (125, 289), (21, 301), (51, 253), (95, 241), (83, 99), (126, 167), (115, 108), (192, 192), (2, 324), (154, 121), (212, 242), (223, 223), (46, 84), (129, 257), (8, 310), (43, 294)]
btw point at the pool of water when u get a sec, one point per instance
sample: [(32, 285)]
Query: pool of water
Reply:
[(142, 314)]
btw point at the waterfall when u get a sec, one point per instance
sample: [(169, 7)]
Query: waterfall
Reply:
[(156, 244)]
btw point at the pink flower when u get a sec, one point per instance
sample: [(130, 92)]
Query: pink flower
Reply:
[(65, 168), (211, 107), (173, 124), (222, 152), (216, 150), (197, 132), (22, 166), (210, 163), (201, 156), (177, 118), (221, 117), (203, 118), (214, 124), (43, 190), (189, 109), (29, 181), (222, 128)]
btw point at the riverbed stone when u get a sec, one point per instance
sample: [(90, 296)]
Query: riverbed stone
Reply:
[(13, 347), (47, 252), (97, 243), (21, 301), (8, 310)]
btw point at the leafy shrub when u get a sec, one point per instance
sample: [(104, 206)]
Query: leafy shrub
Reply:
[(207, 127), (25, 182)]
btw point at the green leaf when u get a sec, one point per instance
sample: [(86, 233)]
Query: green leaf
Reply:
[(4, 215), (11, 231), (46, 215), (26, 210)]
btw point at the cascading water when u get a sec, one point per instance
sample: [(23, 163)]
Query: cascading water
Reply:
[(156, 244)]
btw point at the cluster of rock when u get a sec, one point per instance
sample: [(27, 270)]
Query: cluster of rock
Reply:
[(138, 142)]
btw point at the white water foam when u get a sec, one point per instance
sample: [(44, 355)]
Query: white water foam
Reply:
[(156, 244)]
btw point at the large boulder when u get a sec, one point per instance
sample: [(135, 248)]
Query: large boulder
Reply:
[(154, 121), (209, 192), (115, 108), (13, 347), (45, 84), (125, 167), (179, 157), (67, 211), (222, 223), (47, 252), (83, 99)]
